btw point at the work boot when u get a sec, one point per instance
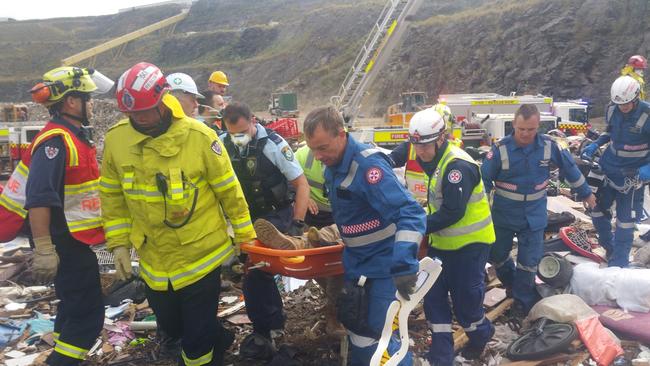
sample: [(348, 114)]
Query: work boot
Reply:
[(271, 237), (257, 347), (475, 353), (225, 339), (329, 235), (313, 238), (170, 347)]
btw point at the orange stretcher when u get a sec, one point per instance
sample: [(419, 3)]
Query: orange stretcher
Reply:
[(304, 264)]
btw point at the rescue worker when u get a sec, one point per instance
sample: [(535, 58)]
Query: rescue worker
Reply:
[(56, 185), (380, 224), (166, 184), (636, 66), (210, 107), (625, 165), (269, 173), (517, 167), (319, 213), (404, 156), (218, 83), (460, 232), (184, 89)]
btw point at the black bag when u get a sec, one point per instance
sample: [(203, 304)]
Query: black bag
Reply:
[(352, 309)]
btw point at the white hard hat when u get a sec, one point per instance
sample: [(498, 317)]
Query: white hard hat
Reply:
[(625, 89), (426, 126), (184, 82)]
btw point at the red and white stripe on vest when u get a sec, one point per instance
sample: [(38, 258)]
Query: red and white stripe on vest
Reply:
[(81, 204), (414, 176)]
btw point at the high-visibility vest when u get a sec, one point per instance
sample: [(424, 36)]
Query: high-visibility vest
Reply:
[(414, 176), (314, 173), (81, 206), (476, 225)]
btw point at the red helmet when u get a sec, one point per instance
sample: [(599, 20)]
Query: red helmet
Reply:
[(638, 62), (141, 88)]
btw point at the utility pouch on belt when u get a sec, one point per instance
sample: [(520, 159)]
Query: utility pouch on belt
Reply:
[(352, 308)]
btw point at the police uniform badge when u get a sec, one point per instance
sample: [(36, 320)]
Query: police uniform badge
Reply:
[(288, 154), (251, 164)]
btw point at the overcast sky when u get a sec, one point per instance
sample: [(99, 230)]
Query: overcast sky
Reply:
[(33, 9)]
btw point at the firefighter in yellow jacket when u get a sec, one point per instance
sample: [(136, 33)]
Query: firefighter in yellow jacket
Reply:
[(166, 184)]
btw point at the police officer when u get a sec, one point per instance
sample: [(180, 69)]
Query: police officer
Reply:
[(380, 224), (517, 167), (626, 167), (57, 183), (166, 184), (266, 167), (460, 232)]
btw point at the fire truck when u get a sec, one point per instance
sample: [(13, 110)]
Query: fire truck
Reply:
[(15, 138)]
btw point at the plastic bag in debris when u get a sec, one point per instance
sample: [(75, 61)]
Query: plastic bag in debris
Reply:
[(40, 325), (602, 346), (133, 289), (565, 308), (10, 331), (626, 288)]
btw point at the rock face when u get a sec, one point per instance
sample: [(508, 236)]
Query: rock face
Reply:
[(562, 48), (565, 49)]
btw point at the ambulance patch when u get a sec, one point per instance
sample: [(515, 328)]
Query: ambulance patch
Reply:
[(288, 154), (51, 152), (489, 155), (216, 147), (455, 176), (374, 175)]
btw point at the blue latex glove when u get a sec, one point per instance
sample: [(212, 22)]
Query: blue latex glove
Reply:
[(589, 151), (644, 173)]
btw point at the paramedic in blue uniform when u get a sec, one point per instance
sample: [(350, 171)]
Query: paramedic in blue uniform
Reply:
[(626, 158), (518, 168), (460, 233), (276, 190), (381, 226)]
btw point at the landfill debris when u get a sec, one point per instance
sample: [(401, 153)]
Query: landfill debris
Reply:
[(13, 306), (229, 299), (626, 288)]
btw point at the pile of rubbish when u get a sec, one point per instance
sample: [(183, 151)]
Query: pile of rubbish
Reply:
[(105, 114)]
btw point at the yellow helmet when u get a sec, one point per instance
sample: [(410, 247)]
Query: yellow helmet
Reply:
[(445, 112), (63, 80), (219, 77)]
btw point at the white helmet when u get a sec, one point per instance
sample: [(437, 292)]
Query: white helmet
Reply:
[(445, 112), (184, 82), (426, 126), (625, 89)]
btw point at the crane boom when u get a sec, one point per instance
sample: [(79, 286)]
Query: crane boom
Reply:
[(384, 37)]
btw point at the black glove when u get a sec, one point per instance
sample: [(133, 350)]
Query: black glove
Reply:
[(297, 228), (406, 284)]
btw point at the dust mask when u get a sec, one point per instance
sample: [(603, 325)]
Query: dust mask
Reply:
[(240, 140)]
